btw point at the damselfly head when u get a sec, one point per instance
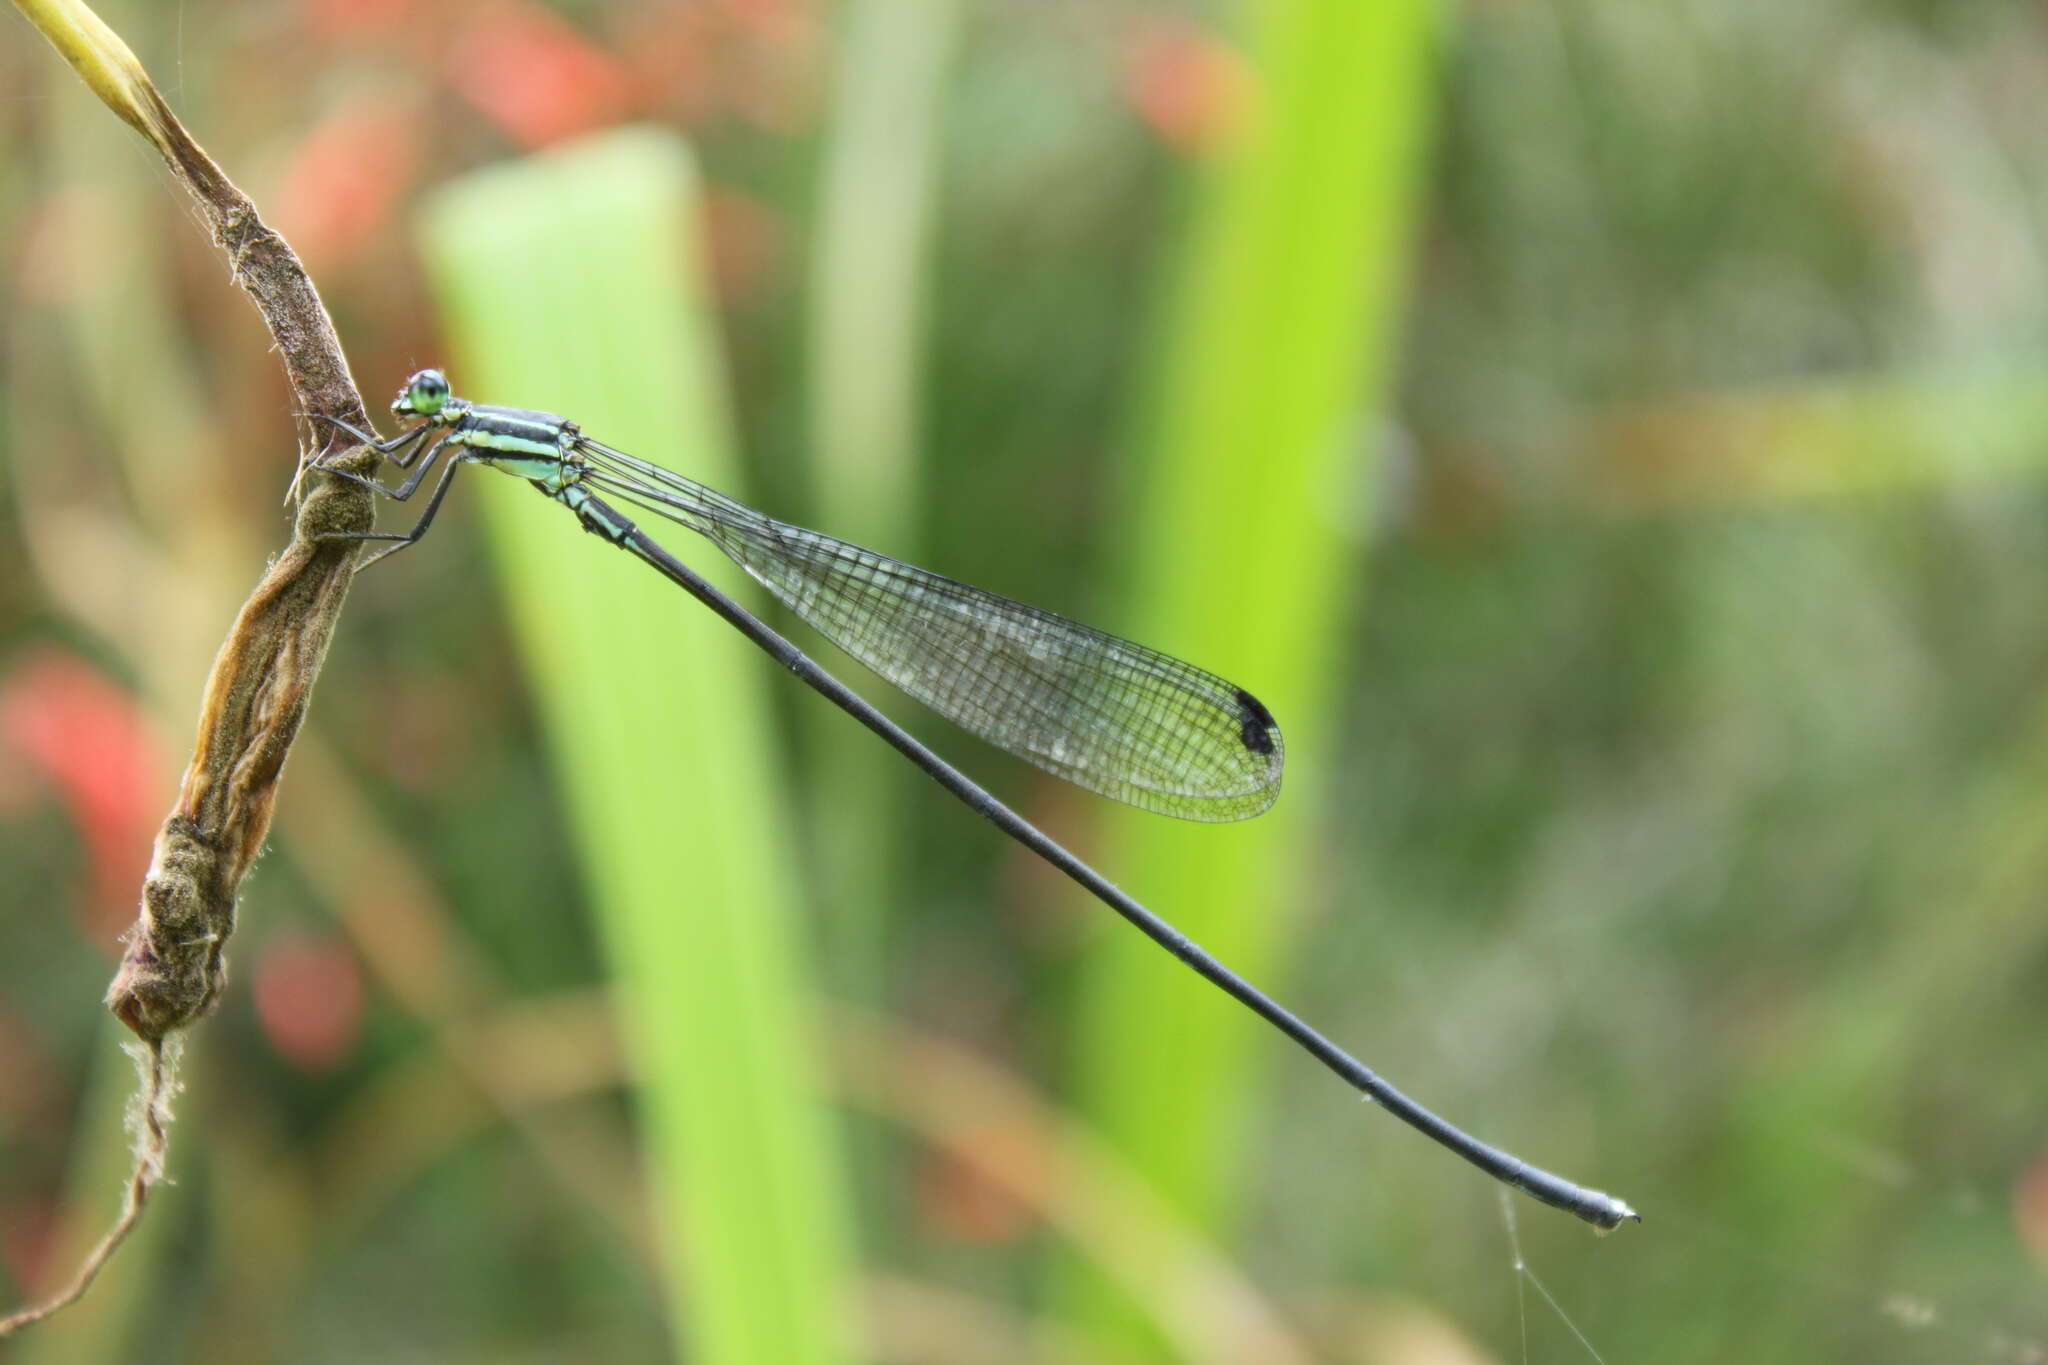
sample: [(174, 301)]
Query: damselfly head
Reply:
[(422, 395)]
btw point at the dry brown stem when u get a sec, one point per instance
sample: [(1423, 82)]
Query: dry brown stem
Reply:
[(150, 1117), (174, 965), (256, 695)]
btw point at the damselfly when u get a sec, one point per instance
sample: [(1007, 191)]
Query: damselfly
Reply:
[(1097, 710)]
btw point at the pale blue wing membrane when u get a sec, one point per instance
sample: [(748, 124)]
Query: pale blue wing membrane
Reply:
[(1100, 711)]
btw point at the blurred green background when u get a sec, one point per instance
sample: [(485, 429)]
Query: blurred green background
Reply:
[(1611, 437)]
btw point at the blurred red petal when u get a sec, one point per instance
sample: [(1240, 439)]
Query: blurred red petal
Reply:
[(536, 77), (89, 740), (1186, 83), (309, 998), (339, 190)]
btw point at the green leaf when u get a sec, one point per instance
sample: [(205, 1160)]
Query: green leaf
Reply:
[(570, 282), (1254, 498)]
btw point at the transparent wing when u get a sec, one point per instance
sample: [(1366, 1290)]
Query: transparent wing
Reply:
[(1097, 710)]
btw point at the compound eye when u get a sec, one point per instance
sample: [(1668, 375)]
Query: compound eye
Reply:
[(424, 393)]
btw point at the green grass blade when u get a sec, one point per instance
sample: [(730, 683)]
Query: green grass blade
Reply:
[(570, 282), (1250, 509), (868, 281), (864, 349)]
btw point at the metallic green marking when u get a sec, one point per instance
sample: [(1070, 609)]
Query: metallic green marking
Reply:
[(480, 439)]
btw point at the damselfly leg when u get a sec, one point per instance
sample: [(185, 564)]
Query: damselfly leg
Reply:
[(425, 457), (388, 449)]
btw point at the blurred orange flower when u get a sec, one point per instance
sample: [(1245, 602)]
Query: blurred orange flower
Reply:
[(308, 991), (535, 76), (1187, 84), (340, 189), (88, 739)]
